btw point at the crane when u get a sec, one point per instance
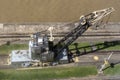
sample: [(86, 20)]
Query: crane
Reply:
[(42, 49), (85, 22)]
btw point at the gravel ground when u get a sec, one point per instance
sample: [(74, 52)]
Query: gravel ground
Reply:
[(117, 77)]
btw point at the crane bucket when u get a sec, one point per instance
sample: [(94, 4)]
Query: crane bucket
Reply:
[(93, 17)]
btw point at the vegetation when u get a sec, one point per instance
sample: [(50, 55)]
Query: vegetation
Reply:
[(79, 45), (6, 49), (48, 73), (113, 71), (55, 73)]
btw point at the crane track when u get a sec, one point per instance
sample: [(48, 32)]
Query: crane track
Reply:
[(97, 52), (58, 35)]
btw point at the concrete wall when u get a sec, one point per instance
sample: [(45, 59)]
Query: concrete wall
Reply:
[(58, 27), (31, 28)]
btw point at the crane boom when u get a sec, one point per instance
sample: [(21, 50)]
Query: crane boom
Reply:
[(84, 23)]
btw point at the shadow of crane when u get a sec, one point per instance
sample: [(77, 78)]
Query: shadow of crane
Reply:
[(94, 47)]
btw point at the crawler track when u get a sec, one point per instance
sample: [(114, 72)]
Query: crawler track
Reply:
[(86, 37), (88, 34)]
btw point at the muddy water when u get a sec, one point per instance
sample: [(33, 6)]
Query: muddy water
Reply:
[(53, 10)]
